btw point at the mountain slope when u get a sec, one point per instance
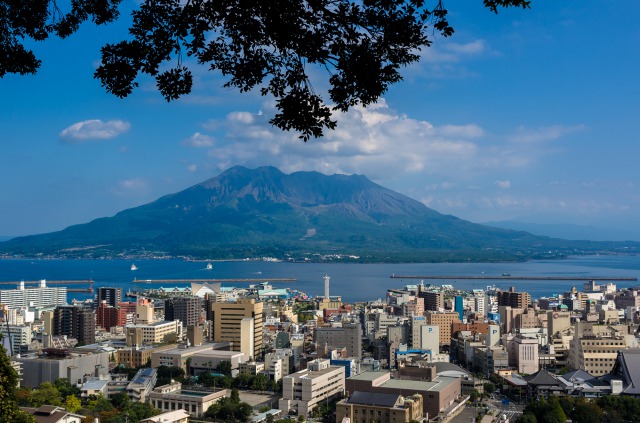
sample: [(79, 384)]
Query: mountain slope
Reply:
[(256, 212)]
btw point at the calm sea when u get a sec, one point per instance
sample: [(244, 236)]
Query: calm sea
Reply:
[(354, 282)]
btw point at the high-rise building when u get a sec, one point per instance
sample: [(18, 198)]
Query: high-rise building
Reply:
[(145, 311), (108, 316), (113, 296), (40, 296), (239, 322), (348, 336), (459, 306), (514, 299), (186, 309), (326, 286), (75, 322), (433, 301), (444, 320)]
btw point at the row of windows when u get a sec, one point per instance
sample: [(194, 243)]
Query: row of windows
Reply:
[(172, 406)]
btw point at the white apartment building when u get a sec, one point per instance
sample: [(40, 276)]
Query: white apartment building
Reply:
[(40, 296), (302, 391), (278, 364)]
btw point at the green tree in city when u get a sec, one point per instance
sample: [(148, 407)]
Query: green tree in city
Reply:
[(588, 412), (23, 396), (9, 410), (489, 388), (225, 367), (72, 404), (46, 394), (100, 404), (527, 417), (120, 400), (259, 382), (66, 388)]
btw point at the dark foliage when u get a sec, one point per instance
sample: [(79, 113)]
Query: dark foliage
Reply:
[(266, 45)]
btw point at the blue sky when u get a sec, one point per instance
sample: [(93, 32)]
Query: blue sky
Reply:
[(527, 115)]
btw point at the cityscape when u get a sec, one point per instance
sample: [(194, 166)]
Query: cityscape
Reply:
[(327, 211), (425, 352)]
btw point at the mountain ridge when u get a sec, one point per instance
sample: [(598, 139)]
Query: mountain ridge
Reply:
[(248, 213)]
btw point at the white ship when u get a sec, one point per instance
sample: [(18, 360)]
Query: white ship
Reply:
[(133, 267), (209, 266)]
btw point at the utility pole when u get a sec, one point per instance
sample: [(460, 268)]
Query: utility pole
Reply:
[(6, 319)]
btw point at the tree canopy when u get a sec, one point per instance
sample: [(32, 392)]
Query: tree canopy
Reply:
[(271, 46)]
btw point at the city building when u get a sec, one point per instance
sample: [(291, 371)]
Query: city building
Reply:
[(75, 322), (53, 364), (40, 296), (443, 320), (596, 351), (142, 384), (108, 316), (152, 333), (186, 309), (177, 416), (194, 400), (364, 407), (251, 368), (178, 356), (304, 390), (112, 296), (53, 414), (140, 355), (239, 323), (209, 360), (18, 335), (514, 299), (433, 301), (349, 336), (437, 393)]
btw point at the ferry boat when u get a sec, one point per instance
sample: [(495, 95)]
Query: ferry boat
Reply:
[(209, 266), (133, 266)]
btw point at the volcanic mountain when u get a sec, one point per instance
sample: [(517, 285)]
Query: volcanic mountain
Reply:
[(249, 213)]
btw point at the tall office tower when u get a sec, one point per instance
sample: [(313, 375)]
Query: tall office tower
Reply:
[(514, 299), (75, 322), (108, 316), (458, 302), (444, 320), (433, 301), (326, 286), (348, 336), (239, 323), (113, 296), (186, 309), (40, 296)]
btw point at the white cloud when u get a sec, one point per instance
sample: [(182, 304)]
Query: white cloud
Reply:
[(198, 140), (549, 133), (463, 131), (94, 129), (192, 168), (134, 184), (449, 167), (450, 52)]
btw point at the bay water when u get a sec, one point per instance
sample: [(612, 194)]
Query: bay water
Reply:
[(354, 282)]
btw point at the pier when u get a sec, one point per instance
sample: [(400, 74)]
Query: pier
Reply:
[(87, 290), (48, 282), (249, 280), (519, 278)]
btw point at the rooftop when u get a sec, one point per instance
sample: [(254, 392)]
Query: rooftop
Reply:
[(373, 398)]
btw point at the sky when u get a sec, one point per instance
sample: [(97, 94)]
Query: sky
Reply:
[(528, 115)]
